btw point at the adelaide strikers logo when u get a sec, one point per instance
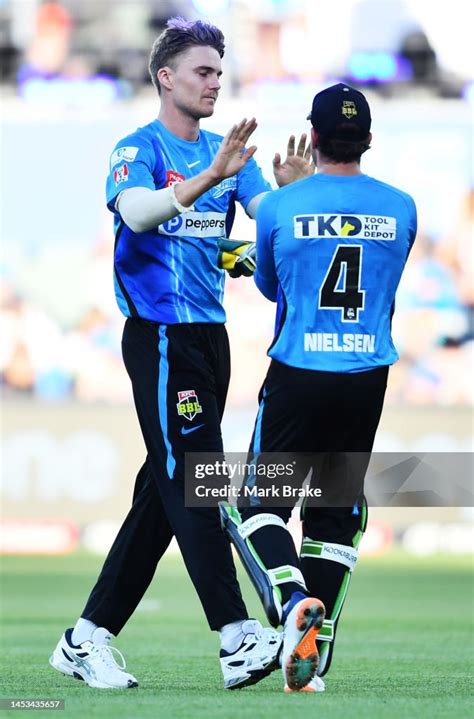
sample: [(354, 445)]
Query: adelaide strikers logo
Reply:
[(188, 404)]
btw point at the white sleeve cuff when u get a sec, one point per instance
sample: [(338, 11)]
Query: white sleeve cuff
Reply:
[(181, 208), (143, 209), (252, 207)]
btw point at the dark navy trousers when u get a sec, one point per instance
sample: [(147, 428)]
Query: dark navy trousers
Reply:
[(180, 376)]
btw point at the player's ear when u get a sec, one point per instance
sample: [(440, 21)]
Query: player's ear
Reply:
[(165, 77), (369, 138), (314, 138)]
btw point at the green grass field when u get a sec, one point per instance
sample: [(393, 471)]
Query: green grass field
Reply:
[(405, 645)]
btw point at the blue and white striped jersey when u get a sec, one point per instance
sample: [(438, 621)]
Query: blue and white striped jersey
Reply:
[(330, 251), (170, 274)]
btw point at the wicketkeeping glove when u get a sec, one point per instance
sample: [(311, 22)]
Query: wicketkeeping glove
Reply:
[(237, 257)]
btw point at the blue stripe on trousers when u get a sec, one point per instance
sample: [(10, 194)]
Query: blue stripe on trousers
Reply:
[(257, 438), (163, 399)]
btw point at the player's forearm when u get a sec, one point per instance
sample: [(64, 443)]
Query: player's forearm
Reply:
[(143, 209), (190, 190)]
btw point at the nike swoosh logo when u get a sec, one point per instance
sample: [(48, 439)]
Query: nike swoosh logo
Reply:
[(192, 164), (191, 429)]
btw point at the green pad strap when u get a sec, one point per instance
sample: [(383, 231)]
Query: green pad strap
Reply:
[(341, 553)]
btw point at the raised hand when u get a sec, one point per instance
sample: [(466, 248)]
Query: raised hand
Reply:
[(230, 158), (296, 166)]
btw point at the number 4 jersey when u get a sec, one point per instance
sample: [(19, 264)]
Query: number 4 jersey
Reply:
[(331, 250)]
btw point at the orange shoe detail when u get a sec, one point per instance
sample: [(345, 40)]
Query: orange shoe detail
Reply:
[(310, 610), (307, 688), (303, 662)]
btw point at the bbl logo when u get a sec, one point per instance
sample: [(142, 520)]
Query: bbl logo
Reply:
[(188, 404), (348, 109)]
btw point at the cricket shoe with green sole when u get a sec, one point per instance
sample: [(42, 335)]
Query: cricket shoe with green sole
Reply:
[(303, 619)]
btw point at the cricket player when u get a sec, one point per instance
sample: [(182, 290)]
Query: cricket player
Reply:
[(330, 252), (172, 189)]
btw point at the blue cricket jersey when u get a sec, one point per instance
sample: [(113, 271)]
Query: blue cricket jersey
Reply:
[(330, 251), (169, 274)]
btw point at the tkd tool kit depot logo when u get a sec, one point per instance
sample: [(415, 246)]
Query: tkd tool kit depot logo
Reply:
[(188, 404)]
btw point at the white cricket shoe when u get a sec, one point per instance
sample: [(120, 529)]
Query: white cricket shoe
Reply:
[(255, 659), (299, 658), (92, 661), (316, 685)]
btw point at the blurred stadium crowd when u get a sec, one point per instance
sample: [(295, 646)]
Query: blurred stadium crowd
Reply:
[(384, 42), (102, 47)]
